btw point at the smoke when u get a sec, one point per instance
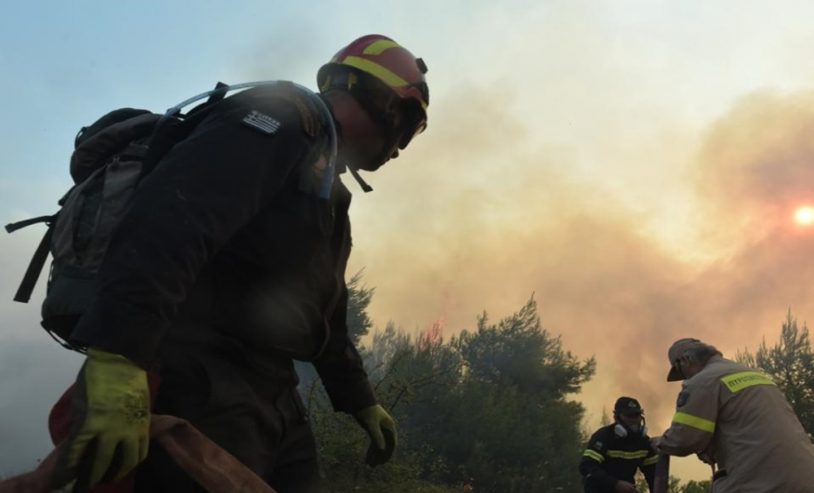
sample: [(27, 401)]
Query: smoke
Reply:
[(32, 377), (755, 166), (34, 370), (269, 56), (475, 217), (478, 215)]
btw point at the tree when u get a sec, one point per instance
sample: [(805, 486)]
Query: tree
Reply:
[(790, 363), (399, 368), (487, 411), (359, 297), (695, 487), (519, 352), (605, 419), (674, 485), (508, 423)]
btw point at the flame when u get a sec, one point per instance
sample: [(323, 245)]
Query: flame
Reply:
[(433, 335)]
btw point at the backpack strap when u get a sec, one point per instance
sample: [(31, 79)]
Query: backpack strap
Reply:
[(32, 273), (217, 94), (12, 227), (170, 131), (171, 128)]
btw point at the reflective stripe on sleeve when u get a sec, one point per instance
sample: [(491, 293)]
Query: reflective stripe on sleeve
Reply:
[(593, 455), (694, 421), (741, 380), (622, 454), (650, 460)]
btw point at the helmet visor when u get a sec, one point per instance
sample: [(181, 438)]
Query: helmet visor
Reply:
[(400, 111), (413, 121)]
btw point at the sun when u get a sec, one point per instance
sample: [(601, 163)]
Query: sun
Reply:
[(804, 216)]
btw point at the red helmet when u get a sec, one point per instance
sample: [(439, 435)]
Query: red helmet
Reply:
[(385, 60), (381, 74)]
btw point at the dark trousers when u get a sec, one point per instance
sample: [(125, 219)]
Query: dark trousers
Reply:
[(254, 414), (596, 487)]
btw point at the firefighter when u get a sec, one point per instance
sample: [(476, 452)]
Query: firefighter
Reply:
[(229, 265), (616, 451), (736, 418)]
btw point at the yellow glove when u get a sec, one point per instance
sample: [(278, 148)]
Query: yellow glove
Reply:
[(110, 417), (382, 431)]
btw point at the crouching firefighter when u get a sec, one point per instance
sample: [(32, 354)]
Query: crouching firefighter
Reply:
[(735, 418), (228, 264), (616, 451)]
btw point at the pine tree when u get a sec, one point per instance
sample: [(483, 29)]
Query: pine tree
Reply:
[(790, 363)]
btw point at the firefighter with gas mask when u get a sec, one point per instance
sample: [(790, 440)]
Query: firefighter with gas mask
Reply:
[(617, 450)]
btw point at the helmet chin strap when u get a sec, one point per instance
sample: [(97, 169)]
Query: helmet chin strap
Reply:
[(390, 150), (362, 183), (352, 167)]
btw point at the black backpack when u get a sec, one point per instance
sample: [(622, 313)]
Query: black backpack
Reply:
[(110, 159)]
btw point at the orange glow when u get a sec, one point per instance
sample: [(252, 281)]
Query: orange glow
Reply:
[(804, 216)]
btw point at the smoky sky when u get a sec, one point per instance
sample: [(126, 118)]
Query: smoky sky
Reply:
[(477, 215), (477, 218), (34, 370)]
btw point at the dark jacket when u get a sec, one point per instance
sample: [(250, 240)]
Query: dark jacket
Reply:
[(609, 458), (228, 240)]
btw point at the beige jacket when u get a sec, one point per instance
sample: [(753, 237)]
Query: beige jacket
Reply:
[(737, 417)]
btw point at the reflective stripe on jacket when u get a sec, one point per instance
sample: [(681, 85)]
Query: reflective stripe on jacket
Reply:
[(609, 458)]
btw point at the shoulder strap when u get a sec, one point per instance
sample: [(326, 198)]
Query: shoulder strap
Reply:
[(32, 273), (217, 94), (12, 227), (173, 126)]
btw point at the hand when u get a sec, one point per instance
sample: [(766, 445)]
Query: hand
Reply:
[(654, 442), (625, 487), (110, 415), (382, 431)]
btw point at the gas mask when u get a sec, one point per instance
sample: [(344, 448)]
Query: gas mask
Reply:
[(623, 430)]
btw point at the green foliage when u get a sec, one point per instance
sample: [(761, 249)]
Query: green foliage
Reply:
[(484, 412), (487, 411), (509, 425), (675, 486), (695, 487), (519, 353), (359, 297), (790, 363), (341, 446)]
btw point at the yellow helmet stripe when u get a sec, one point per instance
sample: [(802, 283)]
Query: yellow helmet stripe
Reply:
[(694, 421), (377, 47), (373, 68)]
